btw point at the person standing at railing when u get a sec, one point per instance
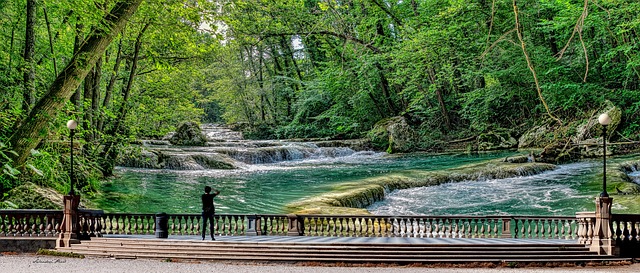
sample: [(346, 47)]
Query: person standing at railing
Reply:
[(208, 211)]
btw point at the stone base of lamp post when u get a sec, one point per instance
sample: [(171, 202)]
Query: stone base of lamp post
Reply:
[(69, 232), (602, 237)]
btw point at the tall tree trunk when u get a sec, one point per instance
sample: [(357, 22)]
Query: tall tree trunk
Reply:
[(53, 53), (34, 128), (443, 109), (29, 73), (109, 153), (386, 91), (112, 82), (76, 98), (95, 96)]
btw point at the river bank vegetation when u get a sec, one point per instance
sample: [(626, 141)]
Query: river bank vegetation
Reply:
[(419, 75)]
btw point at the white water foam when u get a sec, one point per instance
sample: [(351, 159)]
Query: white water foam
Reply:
[(530, 195), (635, 176)]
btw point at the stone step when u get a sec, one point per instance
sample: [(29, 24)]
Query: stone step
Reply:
[(356, 259), (487, 251), (167, 242), (337, 251)]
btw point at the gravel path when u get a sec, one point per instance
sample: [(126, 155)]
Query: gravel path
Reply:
[(50, 264)]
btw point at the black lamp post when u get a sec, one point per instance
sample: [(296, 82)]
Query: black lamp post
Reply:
[(604, 120), (72, 124)]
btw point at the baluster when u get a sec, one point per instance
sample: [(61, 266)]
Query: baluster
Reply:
[(444, 228), (319, 226), (461, 228), (589, 231), (341, 227), (582, 231), (232, 224), (634, 232), (394, 227), (239, 225), (473, 228), (335, 228), (325, 229), (454, 228), (267, 225), (150, 221), (568, 234), (365, 227), (427, 227), (409, 227), (24, 225), (375, 226), (625, 232), (42, 232), (618, 231), (484, 227), (312, 226), (48, 228), (435, 227)]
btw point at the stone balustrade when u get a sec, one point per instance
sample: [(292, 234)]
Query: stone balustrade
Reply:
[(532, 227), (97, 223), (30, 223), (625, 234), (48, 223)]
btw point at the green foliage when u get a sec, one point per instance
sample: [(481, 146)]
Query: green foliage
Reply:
[(9, 174)]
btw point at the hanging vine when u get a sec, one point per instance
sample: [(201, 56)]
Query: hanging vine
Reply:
[(529, 64)]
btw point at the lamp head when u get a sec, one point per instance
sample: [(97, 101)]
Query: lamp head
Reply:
[(72, 124), (604, 119)]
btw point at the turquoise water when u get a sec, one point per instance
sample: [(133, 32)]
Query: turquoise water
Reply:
[(264, 188), (267, 188), (556, 192)]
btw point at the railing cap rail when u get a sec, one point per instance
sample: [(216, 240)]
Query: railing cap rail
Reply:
[(30, 211)]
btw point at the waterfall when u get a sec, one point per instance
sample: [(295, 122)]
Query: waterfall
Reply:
[(227, 149)]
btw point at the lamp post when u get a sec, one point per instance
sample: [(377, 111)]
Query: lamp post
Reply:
[(71, 124), (604, 120)]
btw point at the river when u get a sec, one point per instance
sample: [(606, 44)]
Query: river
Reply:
[(267, 188), (271, 175)]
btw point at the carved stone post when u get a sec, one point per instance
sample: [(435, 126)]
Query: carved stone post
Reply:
[(602, 242), (293, 225), (253, 227), (69, 232), (506, 228)]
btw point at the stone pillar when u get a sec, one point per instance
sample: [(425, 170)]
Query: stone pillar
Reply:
[(253, 225), (293, 225), (506, 228), (602, 242), (69, 232)]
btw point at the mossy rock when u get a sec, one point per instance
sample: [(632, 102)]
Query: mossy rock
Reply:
[(188, 134), (31, 196), (496, 141), (393, 135), (138, 157)]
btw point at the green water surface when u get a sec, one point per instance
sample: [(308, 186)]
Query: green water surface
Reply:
[(265, 188)]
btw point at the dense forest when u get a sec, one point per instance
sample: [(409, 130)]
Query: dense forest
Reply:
[(451, 69)]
